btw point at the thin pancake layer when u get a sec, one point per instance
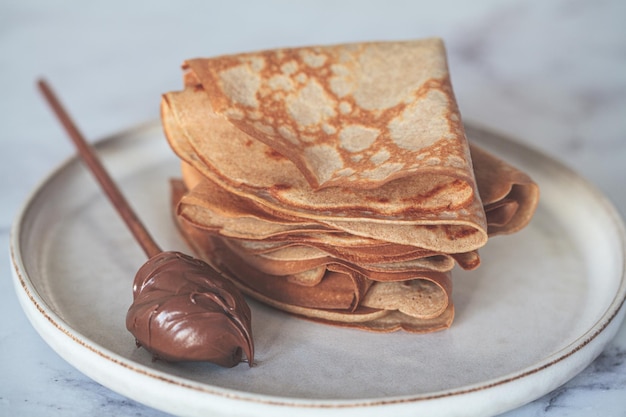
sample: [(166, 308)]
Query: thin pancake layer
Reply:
[(438, 212), (341, 296), (207, 211), (510, 196), (352, 115)]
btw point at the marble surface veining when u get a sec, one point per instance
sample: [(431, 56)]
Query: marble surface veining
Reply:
[(550, 73)]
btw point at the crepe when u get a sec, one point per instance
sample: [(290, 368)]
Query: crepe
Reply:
[(209, 207), (510, 196), (439, 212), (355, 115), (340, 297), (337, 182)]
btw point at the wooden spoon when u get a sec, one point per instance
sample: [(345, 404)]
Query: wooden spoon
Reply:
[(182, 310)]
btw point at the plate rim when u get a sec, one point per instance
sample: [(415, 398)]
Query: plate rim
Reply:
[(25, 288)]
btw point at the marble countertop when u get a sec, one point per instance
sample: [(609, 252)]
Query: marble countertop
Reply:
[(550, 73)]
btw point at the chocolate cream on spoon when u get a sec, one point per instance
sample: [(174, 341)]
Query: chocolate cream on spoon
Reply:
[(182, 310)]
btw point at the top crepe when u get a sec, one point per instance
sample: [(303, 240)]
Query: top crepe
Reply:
[(439, 212), (353, 115)]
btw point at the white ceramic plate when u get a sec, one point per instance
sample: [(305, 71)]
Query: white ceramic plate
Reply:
[(541, 307)]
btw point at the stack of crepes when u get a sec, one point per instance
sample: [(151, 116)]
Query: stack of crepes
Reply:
[(336, 182)]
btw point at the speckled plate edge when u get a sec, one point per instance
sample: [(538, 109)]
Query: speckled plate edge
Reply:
[(476, 399)]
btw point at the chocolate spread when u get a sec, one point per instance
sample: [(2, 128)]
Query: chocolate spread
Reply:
[(183, 310)]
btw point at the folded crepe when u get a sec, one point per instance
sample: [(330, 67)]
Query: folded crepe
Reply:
[(337, 182), (440, 211), (509, 196), (334, 294), (356, 115)]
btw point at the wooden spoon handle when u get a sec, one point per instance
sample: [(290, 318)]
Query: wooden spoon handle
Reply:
[(88, 155)]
